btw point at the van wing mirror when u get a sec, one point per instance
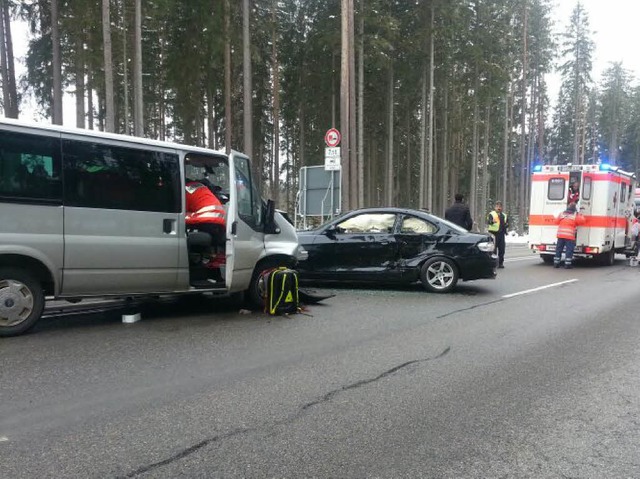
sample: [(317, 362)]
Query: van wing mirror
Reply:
[(270, 225)]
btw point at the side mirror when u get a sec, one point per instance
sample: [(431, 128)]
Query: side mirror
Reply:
[(332, 230), (270, 225)]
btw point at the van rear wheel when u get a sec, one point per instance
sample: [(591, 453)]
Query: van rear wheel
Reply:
[(21, 301)]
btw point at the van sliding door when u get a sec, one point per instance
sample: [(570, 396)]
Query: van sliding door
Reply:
[(122, 222)]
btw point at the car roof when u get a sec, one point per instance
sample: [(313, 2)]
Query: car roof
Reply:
[(395, 210)]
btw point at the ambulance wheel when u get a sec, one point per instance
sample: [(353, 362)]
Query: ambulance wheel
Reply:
[(547, 258), (608, 258), (21, 301)]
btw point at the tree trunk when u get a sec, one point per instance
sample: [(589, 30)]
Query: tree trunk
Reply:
[(80, 88), (108, 67), (505, 146), (227, 77), (344, 105), (125, 70), (138, 111), (6, 99), (524, 177), (473, 172), (56, 64), (430, 183), (247, 111), (276, 103), (423, 140), (485, 160), (445, 146), (360, 104), (389, 177), (90, 112), (353, 150), (11, 108)]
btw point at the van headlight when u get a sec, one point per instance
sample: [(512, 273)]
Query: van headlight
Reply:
[(486, 246)]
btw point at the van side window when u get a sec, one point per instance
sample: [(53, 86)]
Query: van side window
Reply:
[(556, 189), (30, 168), (586, 188), (249, 200), (114, 177)]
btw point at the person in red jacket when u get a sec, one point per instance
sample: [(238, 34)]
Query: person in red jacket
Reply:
[(204, 211), (568, 222)]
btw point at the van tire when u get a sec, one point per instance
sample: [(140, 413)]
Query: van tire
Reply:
[(254, 293), (21, 295), (547, 258)]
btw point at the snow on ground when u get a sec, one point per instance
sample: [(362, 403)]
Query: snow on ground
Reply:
[(513, 238)]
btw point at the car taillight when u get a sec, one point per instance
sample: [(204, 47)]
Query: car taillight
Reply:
[(542, 247), (591, 250)]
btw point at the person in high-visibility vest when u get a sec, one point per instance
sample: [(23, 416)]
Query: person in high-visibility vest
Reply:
[(498, 223), (568, 222)]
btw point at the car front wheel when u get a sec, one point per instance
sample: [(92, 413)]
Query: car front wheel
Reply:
[(439, 275)]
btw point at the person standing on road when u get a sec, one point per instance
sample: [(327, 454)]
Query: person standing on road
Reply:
[(498, 223), (459, 213), (568, 222)]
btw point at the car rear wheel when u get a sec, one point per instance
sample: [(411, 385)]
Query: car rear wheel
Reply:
[(439, 275), (21, 301)]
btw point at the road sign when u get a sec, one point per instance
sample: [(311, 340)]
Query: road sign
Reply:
[(332, 158), (332, 137)]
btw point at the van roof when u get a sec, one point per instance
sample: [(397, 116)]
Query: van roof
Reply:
[(110, 136)]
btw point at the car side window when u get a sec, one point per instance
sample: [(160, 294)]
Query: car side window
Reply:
[(368, 223), (412, 225)]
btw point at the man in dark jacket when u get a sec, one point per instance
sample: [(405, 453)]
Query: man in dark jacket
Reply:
[(459, 213)]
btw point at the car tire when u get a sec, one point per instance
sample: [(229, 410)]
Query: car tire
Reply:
[(547, 258), (21, 301), (439, 275)]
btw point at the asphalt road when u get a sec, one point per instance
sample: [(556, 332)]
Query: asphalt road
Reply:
[(534, 374)]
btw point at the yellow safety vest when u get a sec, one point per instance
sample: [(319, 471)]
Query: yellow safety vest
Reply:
[(494, 227)]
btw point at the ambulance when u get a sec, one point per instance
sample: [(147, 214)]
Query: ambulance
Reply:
[(606, 199)]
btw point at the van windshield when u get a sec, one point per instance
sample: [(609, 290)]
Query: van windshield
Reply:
[(212, 168)]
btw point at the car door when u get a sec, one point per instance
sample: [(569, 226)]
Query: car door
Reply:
[(122, 211), (416, 238), (365, 246)]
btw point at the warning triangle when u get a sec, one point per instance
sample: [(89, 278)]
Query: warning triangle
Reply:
[(289, 298)]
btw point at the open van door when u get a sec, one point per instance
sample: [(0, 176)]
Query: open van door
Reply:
[(245, 224)]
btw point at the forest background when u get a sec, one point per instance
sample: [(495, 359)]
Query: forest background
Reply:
[(440, 96)]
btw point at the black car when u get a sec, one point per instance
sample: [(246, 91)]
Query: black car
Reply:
[(396, 245)]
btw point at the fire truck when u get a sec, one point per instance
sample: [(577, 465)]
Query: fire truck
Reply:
[(606, 199)]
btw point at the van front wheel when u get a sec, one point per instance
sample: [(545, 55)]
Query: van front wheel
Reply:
[(21, 301)]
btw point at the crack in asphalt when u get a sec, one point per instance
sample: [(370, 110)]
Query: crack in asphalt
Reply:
[(184, 453), (303, 409), (330, 395), (475, 306)]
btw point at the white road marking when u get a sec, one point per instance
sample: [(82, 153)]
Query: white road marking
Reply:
[(521, 258), (4, 439), (552, 285)]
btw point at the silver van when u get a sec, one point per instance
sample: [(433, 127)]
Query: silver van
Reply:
[(89, 214)]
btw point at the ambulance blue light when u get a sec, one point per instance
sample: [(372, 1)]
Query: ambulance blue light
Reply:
[(605, 166), (537, 168)]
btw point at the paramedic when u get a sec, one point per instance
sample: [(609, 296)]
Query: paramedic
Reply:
[(567, 222), (498, 223), (204, 211), (574, 193)]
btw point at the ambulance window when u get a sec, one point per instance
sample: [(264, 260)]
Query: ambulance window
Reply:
[(623, 192), (556, 189), (586, 188)]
